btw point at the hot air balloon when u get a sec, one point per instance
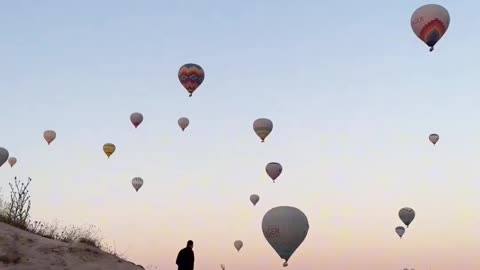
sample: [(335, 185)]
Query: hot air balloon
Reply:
[(191, 76), (254, 198), (49, 136), (183, 123), (136, 119), (137, 183), (263, 127), (12, 161), (429, 23), (407, 215), (400, 231), (434, 138), (109, 148), (238, 245), (3, 155), (274, 170), (285, 228)]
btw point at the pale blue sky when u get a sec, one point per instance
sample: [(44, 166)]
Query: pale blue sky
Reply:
[(352, 92)]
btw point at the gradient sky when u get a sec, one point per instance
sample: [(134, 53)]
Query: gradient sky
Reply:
[(352, 92)]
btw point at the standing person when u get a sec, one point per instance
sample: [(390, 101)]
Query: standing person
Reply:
[(185, 257)]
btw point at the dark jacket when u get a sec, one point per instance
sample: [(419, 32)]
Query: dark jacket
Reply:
[(185, 259)]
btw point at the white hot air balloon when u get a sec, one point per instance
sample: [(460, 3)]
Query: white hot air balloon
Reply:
[(12, 161), (274, 170), (136, 119), (400, 230), (238, 245), (434, 138), (254, 198), (263, 127), (183, 122), (49, 136), (3, 155), (137, 183), (285, 228), (406, 215), (429, 23)]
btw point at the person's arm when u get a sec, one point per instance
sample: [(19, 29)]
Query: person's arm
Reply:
[(179, 258)]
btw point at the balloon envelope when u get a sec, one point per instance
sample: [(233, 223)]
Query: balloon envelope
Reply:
[(274, 170), (49, 136), (137, 183), (400, 230), (254, 198), (433, 138), (3, 155), (263, 127), (191, 76), (407, 215), (429, 23), (109, 148), (238, 245), (285, 228), (136, 119), (12, 161), (183, 122)]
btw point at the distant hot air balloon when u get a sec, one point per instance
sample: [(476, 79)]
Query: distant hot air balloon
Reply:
[(434, 138), (109, 148), (274, 170), (254, 198), (400, 231), (3, 155), (238, 245), (137, 183), (263, 127), (136, 119), (429, 23), (191, 77), (407, 215), (12, 161), (49, 136), (285, 228), (183, 122)]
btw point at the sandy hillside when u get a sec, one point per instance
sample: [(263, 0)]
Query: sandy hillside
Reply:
[(21, 250)]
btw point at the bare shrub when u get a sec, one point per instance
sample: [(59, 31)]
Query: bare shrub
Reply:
[(17, 210)]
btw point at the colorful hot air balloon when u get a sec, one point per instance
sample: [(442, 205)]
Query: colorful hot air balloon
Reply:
[(254, 198), (400, 231), (263, 127), (137, 183), (407, 215), (49, 136), (3, 155), (136, 119), (434, 138), (285, 228), (429, 23), (274, 170), (191, 76), (238, 245), (183, 122), (109, 148), (12, 161)]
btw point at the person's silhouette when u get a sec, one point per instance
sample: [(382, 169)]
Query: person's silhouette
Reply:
[(185, 257)]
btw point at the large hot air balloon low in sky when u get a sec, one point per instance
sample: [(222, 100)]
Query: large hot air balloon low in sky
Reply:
[(285, 228), (3, 155), (49, 136), (137, 183), (254, 198), (183, 123), (430, 22), (108, 149), (262, 127), (136, 119), (191, 77), (238, 245), (400, 230), (12, 161), (274, 170), (406, 215), (433, 138)]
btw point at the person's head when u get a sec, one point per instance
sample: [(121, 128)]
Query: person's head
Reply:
[(190, 244)]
